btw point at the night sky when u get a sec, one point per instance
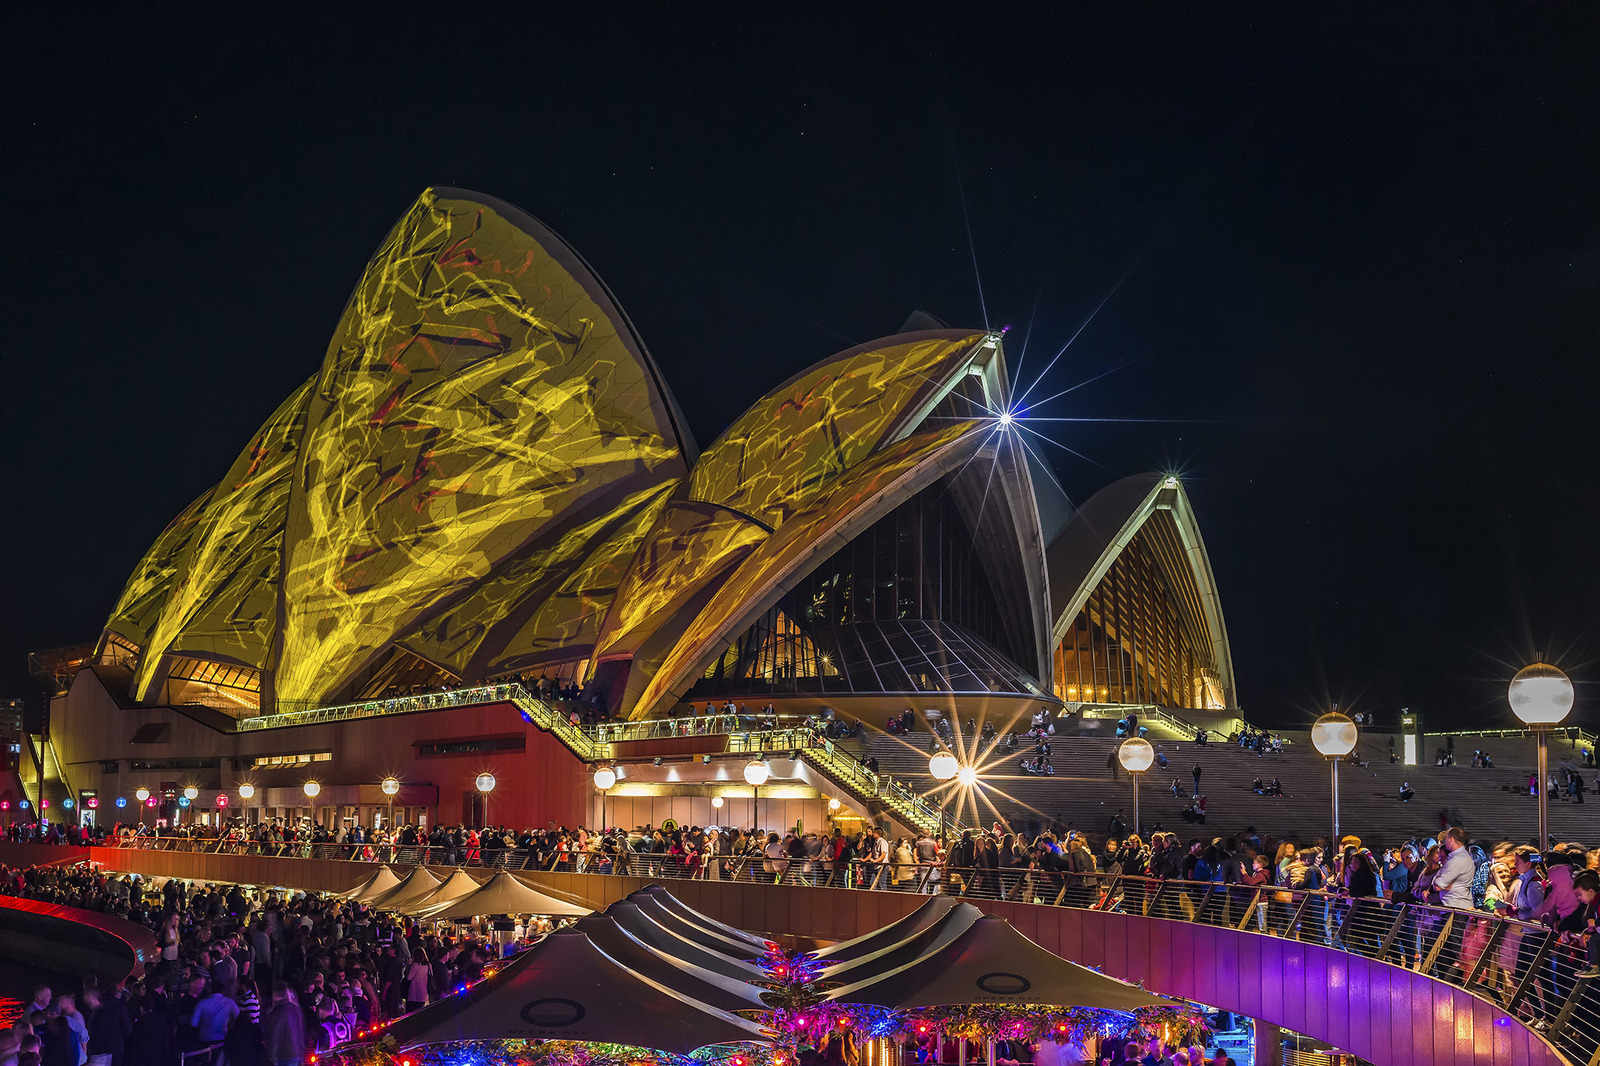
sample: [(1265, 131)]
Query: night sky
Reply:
[(1361, 260)]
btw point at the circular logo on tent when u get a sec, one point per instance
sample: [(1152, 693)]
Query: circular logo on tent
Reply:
[(553, 1013), (1004, 984)]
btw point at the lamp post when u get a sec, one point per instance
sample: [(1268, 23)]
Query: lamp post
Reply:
[(755, 775), (390, 787), (141, 794), (943, 766), (1541, 696), (246, 790), (485, 783), (311, 789), (1136, 755), (605, 779), (1334, 735), (191, 794)]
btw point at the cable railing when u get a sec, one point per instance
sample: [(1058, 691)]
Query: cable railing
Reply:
[(1528, 970)]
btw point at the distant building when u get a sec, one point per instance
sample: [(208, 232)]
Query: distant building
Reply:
[(489, 478), (11, 718)]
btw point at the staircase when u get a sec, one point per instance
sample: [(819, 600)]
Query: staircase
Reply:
[(580, 741), (1085, 793), (56, 787)]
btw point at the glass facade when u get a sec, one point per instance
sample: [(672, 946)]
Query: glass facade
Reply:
[(223, 686), (1139, 637), (904, 607)]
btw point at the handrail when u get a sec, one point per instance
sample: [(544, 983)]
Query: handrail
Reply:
[(376, 708), (582, 742), (1519, 967)]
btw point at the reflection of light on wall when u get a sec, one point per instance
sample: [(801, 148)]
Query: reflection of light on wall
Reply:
[(647, 788)]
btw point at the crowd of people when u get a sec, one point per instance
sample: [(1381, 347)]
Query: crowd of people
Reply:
[(241, 976), (310, 970)]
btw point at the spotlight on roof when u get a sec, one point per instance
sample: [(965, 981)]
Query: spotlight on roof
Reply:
[(1006, 418), (657, 760), (705, 760), (1172, 482)]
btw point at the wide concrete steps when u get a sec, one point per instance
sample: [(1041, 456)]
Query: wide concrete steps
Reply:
[(1085, 794)]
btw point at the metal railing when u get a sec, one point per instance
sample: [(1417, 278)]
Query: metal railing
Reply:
[(1528, 970), (377, 708)]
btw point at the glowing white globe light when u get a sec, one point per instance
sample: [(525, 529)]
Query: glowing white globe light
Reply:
[(943, 766), (1006, 418), (191, 793), (833, 805), (1540, 694), (141, 794), (716, 801), (756, 773), (1136, 755), (605, 778), (246, 790), (312, 788), (485, 782), (1334, 734), (967, 776), (390, 786)]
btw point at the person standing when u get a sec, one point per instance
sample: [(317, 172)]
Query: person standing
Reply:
[(284, 1029), (109, 1028), (68, 1008), (927, 858), (1196, 774), (1453, 883)]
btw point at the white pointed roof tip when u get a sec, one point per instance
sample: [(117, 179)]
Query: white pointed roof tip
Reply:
[(458, 884), (418, 883), (504, 893), (383, 880)]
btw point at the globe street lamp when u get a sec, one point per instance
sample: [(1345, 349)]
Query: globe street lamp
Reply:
[(605, 779), (1541, 696), (1136, 755), (755, 775), (141, 794), (191, 794), (485, 783), (1334, 735), (312, 789), (390, 786), (943, 766)]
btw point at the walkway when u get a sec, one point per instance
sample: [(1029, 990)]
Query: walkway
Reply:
[(1396, 985)]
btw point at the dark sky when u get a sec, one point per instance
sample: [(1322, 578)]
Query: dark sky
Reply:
[(1364, 252)]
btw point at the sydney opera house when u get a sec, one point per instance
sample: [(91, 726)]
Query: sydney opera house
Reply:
[(488, 478)]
